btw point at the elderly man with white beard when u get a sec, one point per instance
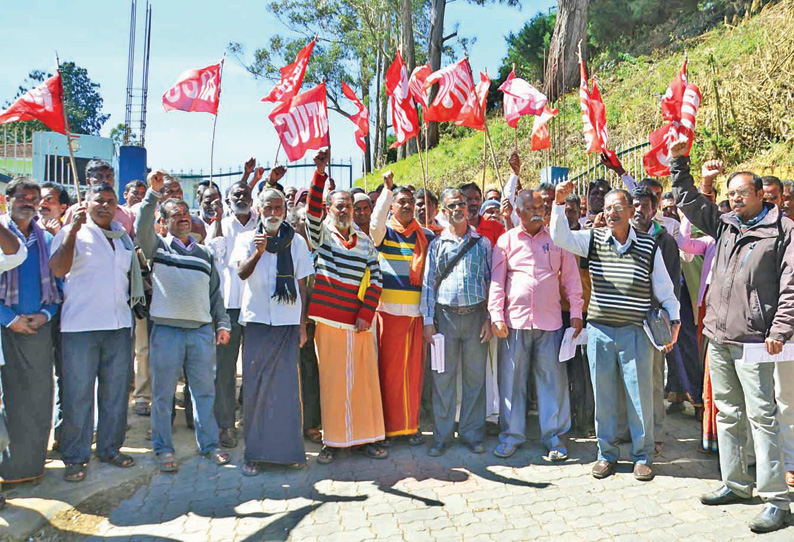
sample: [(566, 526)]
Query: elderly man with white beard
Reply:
[(223, 236), (274, 268)]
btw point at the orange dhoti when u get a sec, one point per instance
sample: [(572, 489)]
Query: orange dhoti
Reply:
[(401, 364), (352, 412)]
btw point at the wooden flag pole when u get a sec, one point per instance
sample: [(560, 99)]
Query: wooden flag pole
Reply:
[(485, 124), (68, 135), (364, 169), (215, 120), (484, 160), (515, 131)]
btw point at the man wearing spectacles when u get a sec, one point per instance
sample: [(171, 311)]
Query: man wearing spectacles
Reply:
[(627, 271), (752, 302)]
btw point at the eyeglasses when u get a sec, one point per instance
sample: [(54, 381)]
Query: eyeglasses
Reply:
[(453, 206), (618, 208), (742, 192)]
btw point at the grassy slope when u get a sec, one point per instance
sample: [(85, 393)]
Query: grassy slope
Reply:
[(757, 125)]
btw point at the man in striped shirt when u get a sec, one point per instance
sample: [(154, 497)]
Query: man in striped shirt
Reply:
[(402, 251), (346, 293), (454, 296), (627, 271)]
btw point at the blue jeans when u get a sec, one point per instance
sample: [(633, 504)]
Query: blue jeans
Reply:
[(540, 350), (171, 348), (463, 351), (89, 356), (621, 361)]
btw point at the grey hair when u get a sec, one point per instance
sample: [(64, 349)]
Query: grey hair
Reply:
[(450, 192), (268, 194), (524, 195)]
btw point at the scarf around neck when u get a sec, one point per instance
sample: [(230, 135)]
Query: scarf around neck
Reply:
[(420, 248), (281, 246), (9, 281), (136, 277)]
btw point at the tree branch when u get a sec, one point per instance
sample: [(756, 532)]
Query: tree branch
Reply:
[(446, 38)]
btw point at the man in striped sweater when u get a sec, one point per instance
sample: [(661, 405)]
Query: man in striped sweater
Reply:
[(346, 293), (402, 251), (627, 271), (187, 307)]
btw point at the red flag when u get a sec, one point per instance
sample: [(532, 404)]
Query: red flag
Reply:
[(43, 103), (403, 110), (593, 114), (471, 114), (540, 132), (679, 106), (195, 91), (455, 85), (302, 123), (360, 119), (418, 78), (291, 77), (521, 98)]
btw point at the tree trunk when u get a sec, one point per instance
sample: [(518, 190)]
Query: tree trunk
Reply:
[(409, 57), (569, 28), (437, 9)]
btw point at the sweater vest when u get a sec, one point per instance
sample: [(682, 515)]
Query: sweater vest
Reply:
[(621, 283)]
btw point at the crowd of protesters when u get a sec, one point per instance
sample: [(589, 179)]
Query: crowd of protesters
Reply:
[(357, 316)]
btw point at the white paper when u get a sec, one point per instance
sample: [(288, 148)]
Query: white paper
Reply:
[(650, 337), (437, 353), (569, 344), (756, 353)]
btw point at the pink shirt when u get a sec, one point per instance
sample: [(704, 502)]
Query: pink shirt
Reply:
[(525, 282)]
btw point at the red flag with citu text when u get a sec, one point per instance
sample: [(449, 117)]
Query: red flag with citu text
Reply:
[(43, 103), (417, 80), (302, 123), (360, 118), (521, 98), (594, 116), (196, 91), (679, 108), (291, 77), (405, 120), (471, 114), (455, 86)]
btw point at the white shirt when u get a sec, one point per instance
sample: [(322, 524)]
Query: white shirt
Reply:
[(222, 249), (578, 242), (258, 304), (96, 289)]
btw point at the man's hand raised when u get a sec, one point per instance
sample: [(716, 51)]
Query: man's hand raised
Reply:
[(156, 180), (711, 170), (249, 165), (562, 191), (515, 163), (678, 148), (388, 180), (276, 174), (321, 160)]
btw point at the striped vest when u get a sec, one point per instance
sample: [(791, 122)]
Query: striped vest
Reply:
[(621, 293), (395, 254)]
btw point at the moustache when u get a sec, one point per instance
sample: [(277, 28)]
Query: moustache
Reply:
[(536, 218)]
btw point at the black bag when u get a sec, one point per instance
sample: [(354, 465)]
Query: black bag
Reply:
[(445, 268)]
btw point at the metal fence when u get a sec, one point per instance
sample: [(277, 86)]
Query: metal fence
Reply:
[(630, 156)]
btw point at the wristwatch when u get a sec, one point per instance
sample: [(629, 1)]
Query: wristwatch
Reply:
[(675, 322)]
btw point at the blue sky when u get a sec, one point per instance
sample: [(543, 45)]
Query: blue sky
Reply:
[(186, 35)]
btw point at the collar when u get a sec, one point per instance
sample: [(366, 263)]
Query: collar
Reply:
[(543, 229), (115, 225), (191, 242), (611, 238), (251, 220), (447, 235)]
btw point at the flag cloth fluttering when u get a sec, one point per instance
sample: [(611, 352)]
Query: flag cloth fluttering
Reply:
[(360, 118), (405, 120), (521, 98), (291, 77), (196, 91), (302, 123), (540, 131), (594, 116), (43, 103), (455, 86), (679, 108), (471, 114), (417, 81)]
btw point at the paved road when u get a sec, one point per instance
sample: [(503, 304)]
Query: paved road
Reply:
[(460, 496)]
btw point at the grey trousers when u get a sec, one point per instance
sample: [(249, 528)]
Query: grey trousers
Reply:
[(463, 352), (540, 350), (658, 396), (226, 373), (743, 392)]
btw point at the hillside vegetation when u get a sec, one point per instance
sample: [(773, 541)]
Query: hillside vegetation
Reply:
[(745, 73)]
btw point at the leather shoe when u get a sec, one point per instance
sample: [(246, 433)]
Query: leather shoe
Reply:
[(603, 469), (437, 450), (722, 496), (643, 472), (771, 518)]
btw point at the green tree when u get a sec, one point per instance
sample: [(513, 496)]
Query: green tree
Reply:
[(81, 95)]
